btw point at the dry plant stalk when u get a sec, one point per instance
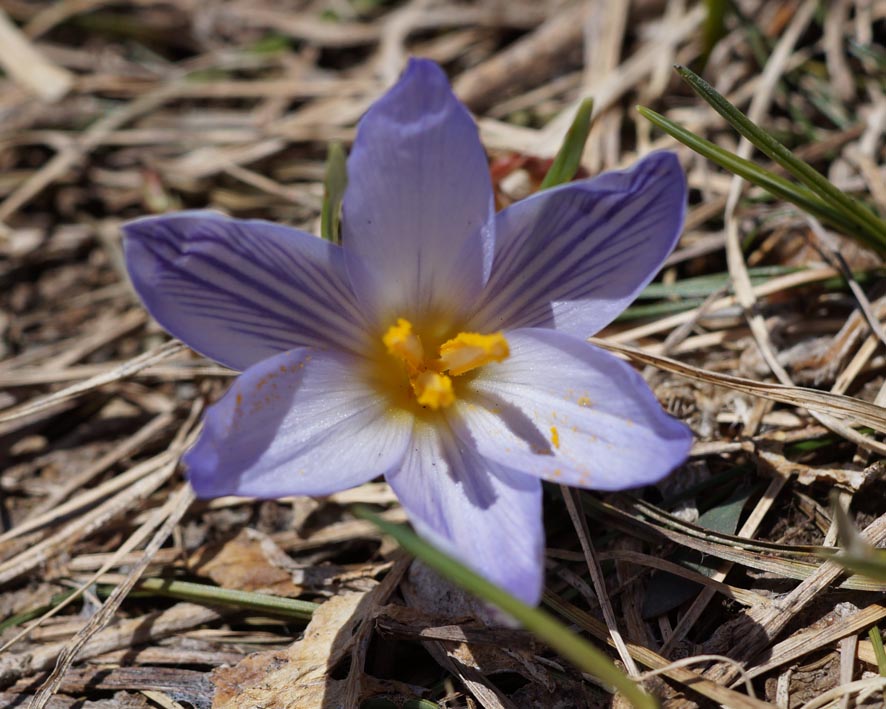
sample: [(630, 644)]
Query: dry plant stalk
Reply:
[(110, 111)]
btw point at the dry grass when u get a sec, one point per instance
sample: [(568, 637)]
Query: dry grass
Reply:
[(115, 110)]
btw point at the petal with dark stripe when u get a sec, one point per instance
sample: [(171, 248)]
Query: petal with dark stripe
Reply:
[(575, 257), (561, 409), (240, 291), (303, 422), (485, 514), (418, 205)]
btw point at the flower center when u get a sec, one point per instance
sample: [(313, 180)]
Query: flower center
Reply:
[(431, 379)]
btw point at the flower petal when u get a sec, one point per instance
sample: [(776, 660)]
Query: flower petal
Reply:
[(564, 410), (576, 256), (484, 514), (419, 200), (239, 291), (302, 422)]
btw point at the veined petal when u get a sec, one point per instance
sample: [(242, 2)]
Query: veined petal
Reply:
[(564, 410), (240, 291), (576, 256), (302, 422), (484, 514), (419, 201)]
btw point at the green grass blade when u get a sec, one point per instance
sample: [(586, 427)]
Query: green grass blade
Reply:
[(856, 555), (879, 653), (32, 613), (714, 28), (778, 186), (215, 595), (334, 184), (851, 209), (576, 649), (568, 158), (186, 591)]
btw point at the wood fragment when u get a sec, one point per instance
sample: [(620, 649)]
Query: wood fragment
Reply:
[(28, 67)]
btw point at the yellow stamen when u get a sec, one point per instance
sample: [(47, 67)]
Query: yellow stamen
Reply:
[(469, 350), (428, 378), (555, 437), (433, 390), (405, 344)]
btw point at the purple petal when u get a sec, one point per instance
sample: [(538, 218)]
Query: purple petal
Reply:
[(484, 514), (302, 422), (240, 291), (419, 200), (561, 409), (576, 256)]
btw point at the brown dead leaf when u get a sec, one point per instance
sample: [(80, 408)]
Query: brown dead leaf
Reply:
[(300, 676), (248, 562)]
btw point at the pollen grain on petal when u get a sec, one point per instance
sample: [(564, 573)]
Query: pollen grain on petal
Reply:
[(433, 390), (555, 437), (469, 350)]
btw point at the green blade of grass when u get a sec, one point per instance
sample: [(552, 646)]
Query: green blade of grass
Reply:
[(714, 28), (334, 184), (568, 158), (574, 648), (215, 595), (879, 653), (657, 310), (776, 185), (856, 554), (186, 591), (858, 214)]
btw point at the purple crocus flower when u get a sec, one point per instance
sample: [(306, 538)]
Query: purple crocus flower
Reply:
[(441, 347)]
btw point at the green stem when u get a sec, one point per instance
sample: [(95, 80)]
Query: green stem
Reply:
[(212, 595), (571, 646)]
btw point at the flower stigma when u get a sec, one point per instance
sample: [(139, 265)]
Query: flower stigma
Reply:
[(431, 379)]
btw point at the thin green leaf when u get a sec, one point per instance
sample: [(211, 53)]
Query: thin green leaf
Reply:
[(334, 184), (776, 185), (14, 621), (247, 600), (657, 310), (858, 214), (576, 649), (666, 591), (714, 28), (568, 158), (857, 555), (186, 591), (703, 286), (879, 653), (420, 704)]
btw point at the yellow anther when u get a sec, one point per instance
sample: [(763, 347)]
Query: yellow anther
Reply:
[(405, 344), (469, 350), (555, 437), (433, 390), (430, 378)]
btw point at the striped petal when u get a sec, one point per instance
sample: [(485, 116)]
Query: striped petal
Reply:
[(561, 409), (419, 201), (575, 257), (240, 291), (484, 514), (302, 422)]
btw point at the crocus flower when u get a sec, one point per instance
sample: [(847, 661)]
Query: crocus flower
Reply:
[(441, 346)]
